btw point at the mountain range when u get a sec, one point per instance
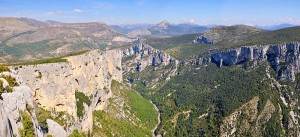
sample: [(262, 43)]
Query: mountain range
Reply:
[(163, 28), (276, 27), (86, 79), (29, 38)]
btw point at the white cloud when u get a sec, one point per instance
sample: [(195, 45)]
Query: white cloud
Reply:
[(184, 20), (77, 10), (54, 12)]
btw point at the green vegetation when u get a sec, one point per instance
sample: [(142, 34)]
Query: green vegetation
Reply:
[(212, 90), (11, 83), (162, 43), (187, 50), (76, 133), (1, 88), (28, 130), (80, 99), (11, 80), (181, 47), (4, 69), (142, 108), (272, 37), (141, 116), (272, 127), (114, 125), (39, 75), (42, 115)]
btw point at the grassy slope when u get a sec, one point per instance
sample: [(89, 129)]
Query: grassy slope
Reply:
[(141, 112)]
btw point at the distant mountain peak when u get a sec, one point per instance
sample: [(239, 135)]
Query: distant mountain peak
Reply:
[(163, 24)]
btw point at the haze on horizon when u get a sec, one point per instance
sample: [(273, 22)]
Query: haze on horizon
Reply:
[(221, 12)]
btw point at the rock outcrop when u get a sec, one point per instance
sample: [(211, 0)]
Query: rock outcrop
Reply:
[(55, 129), (203, 39), (284, 59), (145, 55), (11, 105), (148, 66), (53, 86)]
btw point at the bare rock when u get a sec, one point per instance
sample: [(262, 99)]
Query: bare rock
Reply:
[(55, 129)]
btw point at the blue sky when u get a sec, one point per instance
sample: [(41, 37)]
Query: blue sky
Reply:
[(224, 12)]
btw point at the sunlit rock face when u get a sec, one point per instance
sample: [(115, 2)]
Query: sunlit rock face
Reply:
[(145, 55), (284, 59), (54, 85)]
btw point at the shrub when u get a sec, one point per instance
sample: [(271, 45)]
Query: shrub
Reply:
[(39, 75), (4, 68), (80, 99), (28, 130), (11, 80), (1, 88), (76, 133), (42, 115)]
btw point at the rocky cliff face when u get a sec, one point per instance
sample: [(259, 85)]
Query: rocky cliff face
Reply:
[(53, 86), (143, 62), (284, 59), (202, 39), (144, 55), (10, 106)]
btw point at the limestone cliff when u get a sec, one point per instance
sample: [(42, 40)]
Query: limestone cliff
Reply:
[(145, 61), (10, 106), (52, 87), (145, 55), (283, 58)]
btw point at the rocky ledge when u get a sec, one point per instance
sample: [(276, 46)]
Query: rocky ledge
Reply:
[(284, 58)]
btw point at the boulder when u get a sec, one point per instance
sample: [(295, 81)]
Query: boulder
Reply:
[(55, 129)]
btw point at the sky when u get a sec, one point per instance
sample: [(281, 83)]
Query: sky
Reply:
[(203, 12)]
